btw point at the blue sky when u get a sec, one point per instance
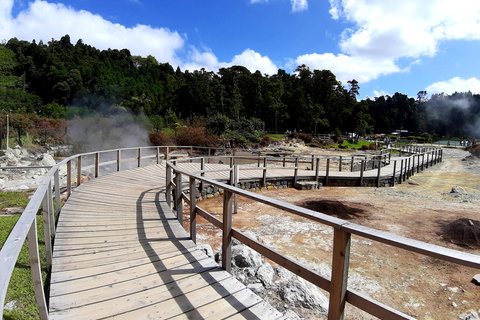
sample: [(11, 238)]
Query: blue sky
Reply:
[(388, 46)]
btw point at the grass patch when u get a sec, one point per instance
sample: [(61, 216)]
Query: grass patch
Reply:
[(20, 291), (13, 199), (347, 145), (277, 137)]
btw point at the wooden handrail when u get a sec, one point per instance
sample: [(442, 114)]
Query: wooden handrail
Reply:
[(337, 286)]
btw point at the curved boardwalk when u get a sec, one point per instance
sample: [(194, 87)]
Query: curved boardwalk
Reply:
[(120, 252)]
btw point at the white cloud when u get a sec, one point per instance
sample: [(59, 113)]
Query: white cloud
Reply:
[(455, 84), (349, 67), (299, 5), (44, 21), (377, 93), (254, 61), (258, 1), (385, 30)]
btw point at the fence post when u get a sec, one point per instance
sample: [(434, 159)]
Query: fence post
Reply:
[(32, 240), (97, 163), (158, 154), (295, 177), (168, 191), (56, 183), (428, 158), (361, 172), (351, 164), (378, 173), (178, 197), (139, 157), (313, 161), (227, 230), (46, 231), (338, 285), (340, 164), (69, 178), (79, 171), (327, 172), (202, 168), (193, 210), (118, 159), (51, 211), (236, 179), (394, 169), (413, 165), (264, 178), (401, 172), (167, 156), (405, 170), (317, 167)]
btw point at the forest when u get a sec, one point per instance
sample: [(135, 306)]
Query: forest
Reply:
[(61, 80)]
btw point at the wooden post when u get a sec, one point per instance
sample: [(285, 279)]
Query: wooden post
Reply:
[(167, 156), (79, 171), (428, 155), (158, 154), (351, 164), (36, 271), (361, 172), (46, 231), (236, 179), (168, 191), (202, 168), (58, 200), (69, 178), (313, 161), (284, 161), (413, 165), (295, 176), (405, 170), (97, 163), (51, 212), (401, 171), (119, 156), (338, 285), (423, 161), (418, 163), (178, 197), (258, 162), (327, 172), (378, 173), (227, 231), (264, 178), (317, 167), (408, 172), (191, 151), (340, 164), (139, 157), (193, 210)]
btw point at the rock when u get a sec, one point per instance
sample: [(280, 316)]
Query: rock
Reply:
[(283, 274), (305, 294), (244, 257), (256, 287), (2, 183), (476, 279), (458, 190), (265, 274), (46, 160), (290, 315), (306, 185), (469, 316), (11, 305), (452, 289), (207, 250)]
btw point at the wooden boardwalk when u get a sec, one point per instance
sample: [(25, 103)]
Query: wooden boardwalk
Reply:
[(121, 253)]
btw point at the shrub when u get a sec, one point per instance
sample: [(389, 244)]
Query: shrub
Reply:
[(266, 140), (188, 136), (161, 138), (305, 137)]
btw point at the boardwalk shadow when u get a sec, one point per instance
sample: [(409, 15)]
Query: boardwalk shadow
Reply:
[(195, 263)]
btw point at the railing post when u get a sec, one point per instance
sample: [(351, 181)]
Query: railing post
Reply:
[(178, 197), (313, 161), (51, 211), (361, 172), (119, 156), (202, 168), (428, 158), (168, 191), (413, 165), (58, 200), (408, 172), (97, 164), (378, 173), (193, 210), (236, 179), (317, 167), (338, 285), (327, 172), (227, 231), (401, 172), (340, 164), (284, 161), (46, 230), (69, 178), (167, 156), (79, 171), (191, 151), (32, 240), (139, 157), (295, 176), (264, 178), (158, 154), (394, 169), (351, 164)]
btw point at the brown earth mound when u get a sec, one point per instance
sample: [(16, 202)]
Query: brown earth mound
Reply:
[(333, 208), (463, 232)]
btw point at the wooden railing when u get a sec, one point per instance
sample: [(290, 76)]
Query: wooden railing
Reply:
[(47, 198), (337, 286), (91, 165)]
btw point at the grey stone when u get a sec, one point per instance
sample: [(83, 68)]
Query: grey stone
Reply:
[(469, 316), (207, 249), (476, 279), (256, 287), (458, 190), (265, 274), (305, 294), (244, 257)]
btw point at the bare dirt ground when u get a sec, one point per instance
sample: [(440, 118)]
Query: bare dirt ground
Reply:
[(422, 287)]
